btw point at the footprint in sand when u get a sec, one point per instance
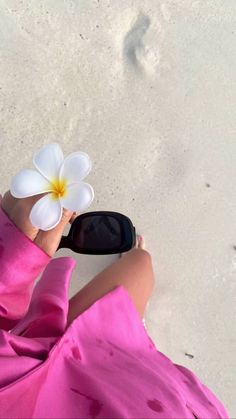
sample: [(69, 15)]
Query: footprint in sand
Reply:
[(137, 53)]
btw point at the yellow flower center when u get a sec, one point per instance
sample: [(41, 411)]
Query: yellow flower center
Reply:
[(59, 188)]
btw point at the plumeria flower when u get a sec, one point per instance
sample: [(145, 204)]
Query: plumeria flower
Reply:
[(61, 178)]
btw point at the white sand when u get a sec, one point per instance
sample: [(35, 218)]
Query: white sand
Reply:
[(148, 90)]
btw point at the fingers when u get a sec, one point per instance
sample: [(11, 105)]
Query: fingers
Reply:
[(18, 210), (9, 202), (49, 240)]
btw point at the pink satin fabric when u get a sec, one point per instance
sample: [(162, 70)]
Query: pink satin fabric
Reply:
[(104, 365)]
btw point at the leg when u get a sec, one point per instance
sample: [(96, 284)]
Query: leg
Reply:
[(134, 271)]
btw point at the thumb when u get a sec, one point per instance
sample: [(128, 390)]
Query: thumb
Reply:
[(74, 216), (49, 240)]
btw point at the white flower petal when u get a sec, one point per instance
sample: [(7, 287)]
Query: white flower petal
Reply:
[(28, 183), (75, 167), (46, 213), (48, 160), (78, 197)]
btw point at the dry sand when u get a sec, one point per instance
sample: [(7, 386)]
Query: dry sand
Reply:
[(147, 89)]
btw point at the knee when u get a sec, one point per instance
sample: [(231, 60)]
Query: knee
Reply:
[(143, 255)]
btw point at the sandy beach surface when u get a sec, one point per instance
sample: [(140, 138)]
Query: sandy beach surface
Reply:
[(148, 89)]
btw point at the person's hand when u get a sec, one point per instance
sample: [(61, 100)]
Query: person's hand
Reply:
[(18, 211)]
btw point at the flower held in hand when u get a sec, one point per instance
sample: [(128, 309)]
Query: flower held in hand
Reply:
[(61, 178)]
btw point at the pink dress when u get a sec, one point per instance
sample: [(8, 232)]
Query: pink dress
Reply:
[(104, 365)]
